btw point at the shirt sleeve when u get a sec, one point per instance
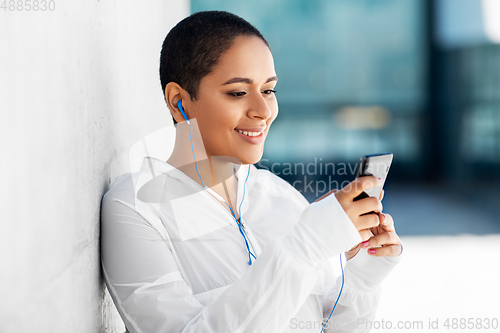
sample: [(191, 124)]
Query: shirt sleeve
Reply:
[(357, 305), (151, 295)]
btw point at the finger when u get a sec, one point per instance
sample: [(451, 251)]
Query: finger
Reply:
[(386, 251), (383, 239), (386, 222), (367, 205), (358, 186), (366, 221), (365, 234), (381, 196)]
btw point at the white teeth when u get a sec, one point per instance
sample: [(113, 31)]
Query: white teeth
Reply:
[(249, 133)]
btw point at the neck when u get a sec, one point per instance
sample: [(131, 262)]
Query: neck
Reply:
[(212, 169)]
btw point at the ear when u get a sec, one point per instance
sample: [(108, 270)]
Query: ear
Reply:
[(173, 93)]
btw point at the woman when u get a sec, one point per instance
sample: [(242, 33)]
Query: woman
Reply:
[(205, 242)]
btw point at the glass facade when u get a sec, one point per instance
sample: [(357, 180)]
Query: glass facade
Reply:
[(371, 76), (342, 65)]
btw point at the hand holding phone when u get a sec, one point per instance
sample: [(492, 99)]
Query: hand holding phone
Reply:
[(376, 230), (374, 165)]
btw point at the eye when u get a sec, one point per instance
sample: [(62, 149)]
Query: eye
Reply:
[(269, 91), (237, 94)]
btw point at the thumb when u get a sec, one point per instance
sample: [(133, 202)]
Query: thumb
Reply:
[(358, 186)]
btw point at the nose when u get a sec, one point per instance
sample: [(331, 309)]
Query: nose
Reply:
[(260, 107)]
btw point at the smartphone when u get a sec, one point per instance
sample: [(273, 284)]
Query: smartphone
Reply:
[(377, 165)]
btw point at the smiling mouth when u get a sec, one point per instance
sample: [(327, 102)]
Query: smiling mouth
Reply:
[(252, 131), (248, 133)]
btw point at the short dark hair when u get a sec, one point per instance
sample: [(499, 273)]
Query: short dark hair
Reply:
[(193, 47)]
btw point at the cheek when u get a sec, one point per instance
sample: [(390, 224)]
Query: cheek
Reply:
[(275, 111), (219, 128)]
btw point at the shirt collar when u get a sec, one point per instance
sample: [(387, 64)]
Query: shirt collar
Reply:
[(153, 167)]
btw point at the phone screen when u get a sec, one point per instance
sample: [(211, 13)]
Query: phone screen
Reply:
[(377, 165)]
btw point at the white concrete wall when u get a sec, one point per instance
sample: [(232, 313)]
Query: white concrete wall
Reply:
[(78, 87)]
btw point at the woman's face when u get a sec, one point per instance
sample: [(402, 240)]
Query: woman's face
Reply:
[(237, 96)]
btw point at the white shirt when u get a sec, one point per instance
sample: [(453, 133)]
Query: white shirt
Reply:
[(174, 259)]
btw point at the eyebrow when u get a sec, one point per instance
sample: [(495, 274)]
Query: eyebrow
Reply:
[(247, 80)]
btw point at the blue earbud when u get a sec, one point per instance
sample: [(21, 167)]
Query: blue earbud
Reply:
[(179, 106)]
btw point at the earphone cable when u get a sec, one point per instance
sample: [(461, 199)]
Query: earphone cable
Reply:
[(340, 293), (250, 254)]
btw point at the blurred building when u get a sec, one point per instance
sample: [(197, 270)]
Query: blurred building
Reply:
[(465, 89), (419, 78)]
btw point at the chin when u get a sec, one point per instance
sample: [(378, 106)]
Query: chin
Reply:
[(251, 158)]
